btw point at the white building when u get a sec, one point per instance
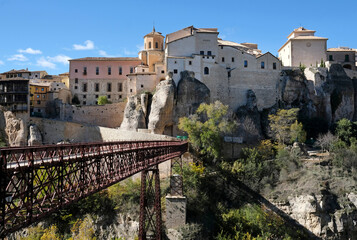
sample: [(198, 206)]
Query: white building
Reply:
[(303, 48), (228, 69)]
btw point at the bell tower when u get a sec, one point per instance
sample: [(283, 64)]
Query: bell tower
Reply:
[(153, 49), (154, 41)]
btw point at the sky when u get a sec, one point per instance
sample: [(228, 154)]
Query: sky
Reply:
[(44, 34)]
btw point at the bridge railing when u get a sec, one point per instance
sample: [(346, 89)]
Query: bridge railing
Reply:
[(35, 181)]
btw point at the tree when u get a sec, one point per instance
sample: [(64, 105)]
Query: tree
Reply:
[(206, 127), (345, 129), (280, 124), (297, 133), (102, 100), (326, 141)]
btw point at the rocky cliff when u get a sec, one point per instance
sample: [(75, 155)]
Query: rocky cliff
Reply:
[(13, 129), (135, 113)]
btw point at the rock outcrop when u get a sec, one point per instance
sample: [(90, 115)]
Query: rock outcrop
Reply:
[(135, 113), (14, 130), (162, 106), (35, 137)]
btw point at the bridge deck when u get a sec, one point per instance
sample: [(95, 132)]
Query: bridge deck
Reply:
[(35, 181)]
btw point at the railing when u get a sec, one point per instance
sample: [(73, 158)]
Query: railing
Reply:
[(36, 181)]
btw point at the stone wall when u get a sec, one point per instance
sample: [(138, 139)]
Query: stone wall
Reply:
[(109, 115)]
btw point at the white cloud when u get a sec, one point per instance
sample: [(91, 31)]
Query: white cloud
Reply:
[(140, 47), (127, 52), (30, 51), (18, 57), (88, 46), (43, 62), (103, 53), (59, 59), (1, 62)]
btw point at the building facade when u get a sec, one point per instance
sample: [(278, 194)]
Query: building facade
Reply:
[(303, 48), (342, 55), (227, 68), (92, 77)]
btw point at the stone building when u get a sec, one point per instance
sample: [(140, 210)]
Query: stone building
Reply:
[(38, 98), (227, 68), (303, 48), (92, 77), (342, 55)]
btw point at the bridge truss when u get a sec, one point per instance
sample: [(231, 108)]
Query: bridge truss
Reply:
[(36, 181)]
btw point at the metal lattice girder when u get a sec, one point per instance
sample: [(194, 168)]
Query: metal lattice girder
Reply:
[(150, 205), (36, 181)]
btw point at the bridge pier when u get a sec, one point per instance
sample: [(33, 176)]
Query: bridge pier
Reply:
[(150, 205)]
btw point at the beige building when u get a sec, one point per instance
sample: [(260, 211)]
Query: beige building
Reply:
[(227, 68), (342, 55), (303, 48)]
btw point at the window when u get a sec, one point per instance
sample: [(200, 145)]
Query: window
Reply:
[(262, 65), (131, 90), (209, 53), (109, 87), (149, 45), (245, 63), (38, 96), (274, 65), (229, 74), (96, 96), (156, 45), (84, 70), (202, 53), (142, 85), (75, 87), (84, 103), (84, 96), (109, 96), (223, 59), (162, 71), (76, 70), (42, 89), (76, 80), (109, 71), (120, 87), (38, 102), (120, 71), (232, 59), (143, 70), (96, 86), (97, 71), (330, 58), (206, 70), (189, 62), (120, 96), (84, 87), (131, 69), (175, 71), (43, 96), (347, 58)]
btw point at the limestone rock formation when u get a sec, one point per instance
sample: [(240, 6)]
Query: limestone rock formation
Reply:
[(35, 137), (162, 106), (248, 118), (14, 130), (323, 215), (134, 114)]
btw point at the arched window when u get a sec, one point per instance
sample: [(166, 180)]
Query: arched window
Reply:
[(156, 45), (206, 70), (149, 45)]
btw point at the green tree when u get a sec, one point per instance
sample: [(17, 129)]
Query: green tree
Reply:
[(206, 128), (51, 234), (345, 130), (297, 133), (281, 122), (102, 100)]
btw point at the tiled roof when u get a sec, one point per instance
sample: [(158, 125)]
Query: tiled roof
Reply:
[(188, 31), (106, 59), (17, 71), (340, 50)]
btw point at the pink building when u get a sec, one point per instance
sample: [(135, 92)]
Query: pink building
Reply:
[(92, 77)]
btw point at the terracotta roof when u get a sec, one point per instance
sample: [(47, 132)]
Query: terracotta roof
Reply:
[(154, 33), (17, 71), (188, 31), (106, 59), (340, 49)]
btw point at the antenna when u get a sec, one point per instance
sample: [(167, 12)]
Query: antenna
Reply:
[(153, 26)]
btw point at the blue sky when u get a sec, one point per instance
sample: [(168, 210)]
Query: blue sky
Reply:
[(43, 35)]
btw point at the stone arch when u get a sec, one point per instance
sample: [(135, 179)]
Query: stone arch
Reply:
[(347, 66)]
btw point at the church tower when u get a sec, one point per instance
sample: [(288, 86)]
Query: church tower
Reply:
[(153, 49)]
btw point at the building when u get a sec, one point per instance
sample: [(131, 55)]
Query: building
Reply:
[(227, 68), (152, 70), (39, 98), (342, 55), (14, 95), (25, 74), (92, 77), (303, 48)]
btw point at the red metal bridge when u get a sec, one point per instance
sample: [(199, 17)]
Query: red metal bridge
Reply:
[(36, 181)]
